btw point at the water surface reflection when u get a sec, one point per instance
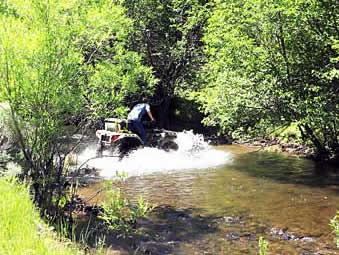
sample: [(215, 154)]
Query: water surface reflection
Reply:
[(263, 190)]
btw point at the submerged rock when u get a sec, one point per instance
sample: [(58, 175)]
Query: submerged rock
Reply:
[(156, 248), (284, 235), (218, 140)]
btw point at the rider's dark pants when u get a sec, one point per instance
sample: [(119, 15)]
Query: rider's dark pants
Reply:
[(137, 127)]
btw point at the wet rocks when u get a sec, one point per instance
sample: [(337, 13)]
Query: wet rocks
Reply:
[(230, 219), (233, 236), (276, 145), (156, 248), (285, 235), (218, 140)]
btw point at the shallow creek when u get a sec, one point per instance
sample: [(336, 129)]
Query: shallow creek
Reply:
[(220, 200)]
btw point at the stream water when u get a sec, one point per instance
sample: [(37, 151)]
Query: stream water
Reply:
[(221, 199)]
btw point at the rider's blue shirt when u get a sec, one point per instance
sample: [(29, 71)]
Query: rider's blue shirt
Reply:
[(138, 111)]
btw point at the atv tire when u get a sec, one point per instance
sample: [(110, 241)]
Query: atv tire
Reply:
[(168, 145), (126, 145), (99, 150)]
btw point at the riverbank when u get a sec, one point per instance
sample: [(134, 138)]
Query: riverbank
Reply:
[(22, 231), (276, 145), (289, 147)]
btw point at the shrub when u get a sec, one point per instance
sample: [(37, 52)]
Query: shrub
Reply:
[(120, 215)]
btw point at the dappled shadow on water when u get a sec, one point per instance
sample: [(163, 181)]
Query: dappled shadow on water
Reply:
[(178, 231), (287, 169), (170, 227), (161, 233)]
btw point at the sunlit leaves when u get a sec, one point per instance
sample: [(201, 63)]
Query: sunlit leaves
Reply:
[(39, 69), (110, 84), (39, 61), (114, 73), (274, 61), (168, 34)]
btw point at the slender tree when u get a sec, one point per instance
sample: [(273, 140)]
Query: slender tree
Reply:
[(168, 34), (59, 60), (38, 70)]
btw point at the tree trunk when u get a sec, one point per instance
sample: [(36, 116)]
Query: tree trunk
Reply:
[(322, 152), (163, 116)]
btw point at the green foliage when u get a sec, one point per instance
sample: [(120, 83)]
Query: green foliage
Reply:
[(271, 64), (143, 208), (234, 70), (112, 85), (115, 214), (334, 223), (263, 246), (168, 35), (58, 60), (288, 133), (113, 75), (39, 66), (120, 215), (21, 230)]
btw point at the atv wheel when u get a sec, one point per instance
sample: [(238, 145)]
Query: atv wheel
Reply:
[(99, 149), (168, 145), (126, 145)]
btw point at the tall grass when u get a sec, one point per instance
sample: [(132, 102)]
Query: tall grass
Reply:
[(21, 229), (334, 223)]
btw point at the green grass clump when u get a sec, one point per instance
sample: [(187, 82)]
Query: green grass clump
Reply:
[(21, 229), (334, 223), (263, 246), (120, 215), (289, 133)]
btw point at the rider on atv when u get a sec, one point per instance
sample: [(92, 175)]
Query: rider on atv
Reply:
[(126, 135), (134, 119)]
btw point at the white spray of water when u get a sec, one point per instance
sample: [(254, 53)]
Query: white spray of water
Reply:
[(193, 153)]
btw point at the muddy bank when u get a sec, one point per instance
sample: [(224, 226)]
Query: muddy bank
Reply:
[(290, 148), (276, 145), (272, 145)]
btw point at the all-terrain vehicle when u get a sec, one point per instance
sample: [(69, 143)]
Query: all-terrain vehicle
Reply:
[(117, 139)]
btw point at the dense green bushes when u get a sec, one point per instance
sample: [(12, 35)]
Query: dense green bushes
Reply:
[(270, 64), (58, 60), (168, 35)]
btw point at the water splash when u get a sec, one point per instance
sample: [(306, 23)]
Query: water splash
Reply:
[(193, 153)]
